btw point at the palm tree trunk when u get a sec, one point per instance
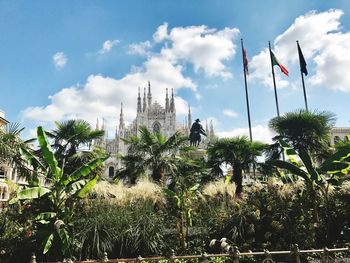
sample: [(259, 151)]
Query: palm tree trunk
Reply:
[(237, 178), (157, 174)]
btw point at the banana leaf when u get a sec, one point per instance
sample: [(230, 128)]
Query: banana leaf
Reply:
[(84, 170), (48, 244), (87, 187), (32, 192), (47, 153), (291, 168), (31, 159)]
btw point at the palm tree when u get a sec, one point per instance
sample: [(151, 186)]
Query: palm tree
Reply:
[(72, 140), (153, 152), (238, 152), (70, 135), (10, 145), (304, 129)]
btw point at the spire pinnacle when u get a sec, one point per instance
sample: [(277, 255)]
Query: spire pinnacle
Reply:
[(121, 121), (149, 95), (139, 102), (212, 134), (97, 124), (189, 117), (166, 101), (172, 101), (144, 100)]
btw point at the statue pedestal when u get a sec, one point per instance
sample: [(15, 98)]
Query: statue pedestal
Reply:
[(198, 154)]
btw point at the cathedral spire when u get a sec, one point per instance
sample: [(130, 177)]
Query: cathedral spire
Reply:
[(149, 95), (166, 101), (103, 124), (97, 124), (121, 120), (139, 102), (206, 128), (212, 134), (144, 100), (103, 128), (189, 117), (172, 102)]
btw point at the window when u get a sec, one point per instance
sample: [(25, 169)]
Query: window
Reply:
[(2, 172), (156, 127), (337, 139), (111, 172), (4, 193)]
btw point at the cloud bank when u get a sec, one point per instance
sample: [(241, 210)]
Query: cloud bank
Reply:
[(206, 49), (325, 45)]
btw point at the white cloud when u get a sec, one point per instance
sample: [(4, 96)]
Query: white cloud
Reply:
[(107, 46), (59, 60), (161, 34), (205, 48), (325, 47), (261, 70), (141, 49), (229, 113), (260, 133), (101, 96)]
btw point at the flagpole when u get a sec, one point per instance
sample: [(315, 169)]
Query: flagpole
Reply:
[(247, 99), (246, 93), (302, 80), (274, 82)]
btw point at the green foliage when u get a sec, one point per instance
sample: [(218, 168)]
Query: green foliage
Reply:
[(154, 152), (122, 231), (238, 152), (305, 130), (55, 199), (309, 204)]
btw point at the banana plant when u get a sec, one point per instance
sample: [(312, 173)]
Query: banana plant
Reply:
[(57, 194), (317, 177), (331, 171), (183, 200)]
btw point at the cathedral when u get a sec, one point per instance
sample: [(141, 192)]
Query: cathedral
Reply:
[(151, 115)]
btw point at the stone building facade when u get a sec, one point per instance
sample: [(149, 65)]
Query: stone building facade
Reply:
[(152, 115), (4, 170), (339, 134)]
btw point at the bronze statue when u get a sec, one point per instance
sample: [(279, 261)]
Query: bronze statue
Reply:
[(195, 133)]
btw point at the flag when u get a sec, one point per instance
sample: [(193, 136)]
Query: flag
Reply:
[(245, 61), (275, 62), (302, 61)]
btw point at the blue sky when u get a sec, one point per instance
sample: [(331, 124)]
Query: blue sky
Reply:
[(81, 59)]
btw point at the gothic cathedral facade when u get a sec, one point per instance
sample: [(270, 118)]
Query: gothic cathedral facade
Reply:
[(151, 115)]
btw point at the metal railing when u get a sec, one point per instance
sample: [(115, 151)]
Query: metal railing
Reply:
[(267, 256)]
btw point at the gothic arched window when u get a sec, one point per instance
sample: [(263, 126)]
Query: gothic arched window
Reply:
[(336, 139), (2, 172), (4, 193), (111, 172), (156, 127)]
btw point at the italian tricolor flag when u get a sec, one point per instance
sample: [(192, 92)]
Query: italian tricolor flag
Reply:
[(276, 62)]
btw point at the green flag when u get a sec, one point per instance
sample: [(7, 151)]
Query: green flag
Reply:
[(275, 62)]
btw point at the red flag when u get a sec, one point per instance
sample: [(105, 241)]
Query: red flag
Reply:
[(245, 61)]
